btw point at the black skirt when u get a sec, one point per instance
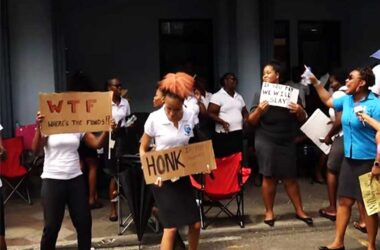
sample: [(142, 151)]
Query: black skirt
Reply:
[(350, 171), (226, 144), (276, 159), (2, 223), (176, 203)]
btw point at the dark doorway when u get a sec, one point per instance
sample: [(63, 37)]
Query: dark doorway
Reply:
[(319, 45), (186, 45), (281, 48)]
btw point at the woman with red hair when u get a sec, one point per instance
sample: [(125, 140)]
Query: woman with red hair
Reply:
[(170, 126)]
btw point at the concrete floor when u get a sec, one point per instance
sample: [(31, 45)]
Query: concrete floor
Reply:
[(24, 222)]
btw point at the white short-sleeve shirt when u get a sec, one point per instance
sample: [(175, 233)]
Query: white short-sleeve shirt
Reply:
[(61, 156), (332, 112), (230, 110), (165, 134), (119, 112)]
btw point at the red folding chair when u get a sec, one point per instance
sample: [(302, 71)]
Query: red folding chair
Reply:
[(12, 172), (222, 187), (27, 133)]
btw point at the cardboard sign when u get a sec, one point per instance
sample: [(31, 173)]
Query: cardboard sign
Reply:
[(317, 126), (278, 94), (73, 112), (178, 161), (371, 193)]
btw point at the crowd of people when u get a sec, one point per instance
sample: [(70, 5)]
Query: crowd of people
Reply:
[(182, 103)]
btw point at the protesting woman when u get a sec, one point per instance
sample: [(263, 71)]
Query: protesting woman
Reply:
[(359, 148), (171, 126)]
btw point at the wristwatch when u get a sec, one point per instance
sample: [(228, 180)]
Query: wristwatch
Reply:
[(376, 164)]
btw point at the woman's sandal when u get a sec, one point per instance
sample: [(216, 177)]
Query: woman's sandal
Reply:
[(323, 213), (360, 228)]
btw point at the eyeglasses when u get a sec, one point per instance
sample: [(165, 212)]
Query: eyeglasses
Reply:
[(350, 77)]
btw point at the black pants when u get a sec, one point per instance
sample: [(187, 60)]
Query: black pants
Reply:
[(2, 223), (55, 194)]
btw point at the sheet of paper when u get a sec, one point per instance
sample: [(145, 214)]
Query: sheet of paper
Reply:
[(371, 193), (316, 127), (278, 94)]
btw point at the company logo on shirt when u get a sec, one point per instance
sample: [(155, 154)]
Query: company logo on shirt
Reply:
[(187, 129)]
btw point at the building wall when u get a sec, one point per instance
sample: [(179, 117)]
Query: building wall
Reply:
[(359, 21), (31, 55)]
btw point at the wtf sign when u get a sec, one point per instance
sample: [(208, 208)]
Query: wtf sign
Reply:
[(73, 112)]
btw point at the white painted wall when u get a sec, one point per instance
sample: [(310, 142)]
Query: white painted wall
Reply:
[(31, 54)]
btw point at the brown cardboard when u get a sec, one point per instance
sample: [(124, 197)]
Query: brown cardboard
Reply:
[(178, 161), (73, 112)]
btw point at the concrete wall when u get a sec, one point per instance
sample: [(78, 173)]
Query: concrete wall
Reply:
[(359, 25), (31, 55), (121, 38)]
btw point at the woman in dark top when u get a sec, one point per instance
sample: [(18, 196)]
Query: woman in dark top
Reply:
[(276, 129)]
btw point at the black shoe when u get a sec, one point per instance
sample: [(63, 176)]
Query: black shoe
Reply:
[(323, 213), (307, 220), (270, 222), (178, 243), (326, 248)]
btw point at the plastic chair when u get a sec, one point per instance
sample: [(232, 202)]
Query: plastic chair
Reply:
[(219, 189), (12, 172)]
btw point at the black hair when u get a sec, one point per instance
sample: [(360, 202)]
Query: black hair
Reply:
[(340, 75), (225, 75), (367, 75), (278, 68)]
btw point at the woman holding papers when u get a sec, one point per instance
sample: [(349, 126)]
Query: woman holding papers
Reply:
[(171, 126), (63, 184), (276, 130), (359, 148)]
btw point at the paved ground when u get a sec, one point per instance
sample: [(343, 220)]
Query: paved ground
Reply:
[(24, 226)]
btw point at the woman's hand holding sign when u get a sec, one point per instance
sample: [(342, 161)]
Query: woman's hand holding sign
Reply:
[(298, 111)]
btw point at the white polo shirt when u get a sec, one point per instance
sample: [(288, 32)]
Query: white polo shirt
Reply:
[(230, 110), (165, 134), (119, 112), (206, 99), (61, 156), (191, 104)]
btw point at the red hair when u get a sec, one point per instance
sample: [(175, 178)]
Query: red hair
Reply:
[(179, 84)]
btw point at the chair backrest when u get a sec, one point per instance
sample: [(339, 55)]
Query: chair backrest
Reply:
[(227, 179), (27, 133), (12, 167)]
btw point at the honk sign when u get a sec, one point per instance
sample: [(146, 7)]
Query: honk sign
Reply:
[(178, 161), (73, 112)]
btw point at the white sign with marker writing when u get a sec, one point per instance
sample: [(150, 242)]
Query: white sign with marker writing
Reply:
[(278, 94)]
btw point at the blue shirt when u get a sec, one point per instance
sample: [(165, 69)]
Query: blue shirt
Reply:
[(359, 140)]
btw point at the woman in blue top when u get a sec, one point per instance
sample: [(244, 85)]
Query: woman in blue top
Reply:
[(359, 148)]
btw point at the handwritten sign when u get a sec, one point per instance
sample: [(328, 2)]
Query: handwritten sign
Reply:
[(317, 126), (371, 193), (73, 112), (278, 94), (178, 161)]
